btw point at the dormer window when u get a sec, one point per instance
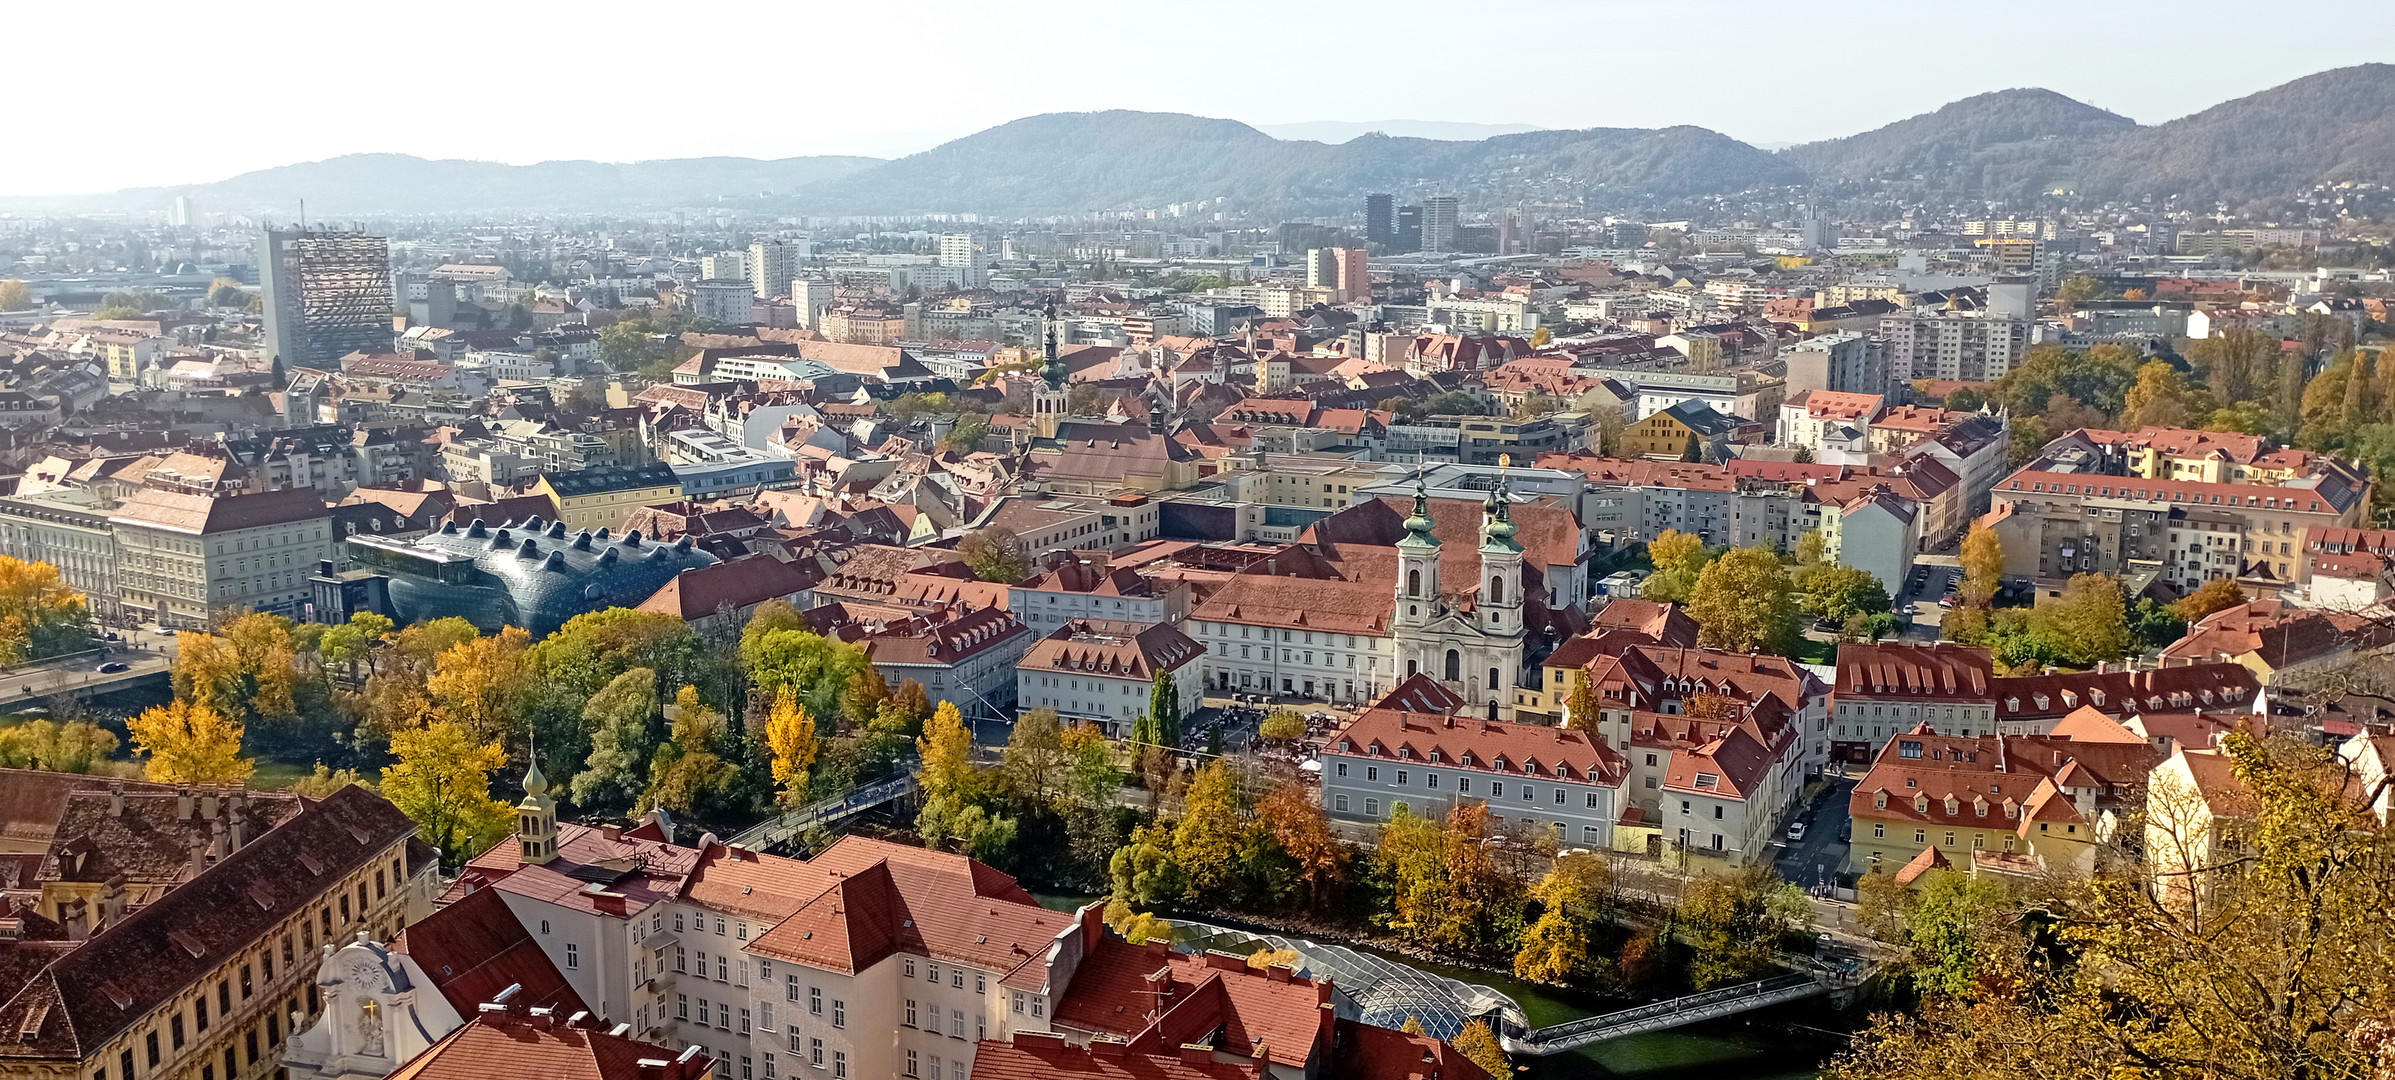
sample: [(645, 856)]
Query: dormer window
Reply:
[(2069, 700), (1708, 780), (2012, 704), (2012, 810), (1347, 746), (1434, 756), (1979, 807), (2041, 701), (1953, 806), (1921, 803), (1879, 800)]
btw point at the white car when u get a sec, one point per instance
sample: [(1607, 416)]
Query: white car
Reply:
[(1796, 832)]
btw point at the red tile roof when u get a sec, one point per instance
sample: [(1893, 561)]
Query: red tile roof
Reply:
[(474, 948), (1115, 650), (505, 1044), (1151, 996), (1478, 745)]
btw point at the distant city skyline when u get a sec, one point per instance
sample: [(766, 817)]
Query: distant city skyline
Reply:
[(606, 85)]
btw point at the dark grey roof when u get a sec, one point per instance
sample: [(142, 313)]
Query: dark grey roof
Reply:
[(531, 574), (605, 478)]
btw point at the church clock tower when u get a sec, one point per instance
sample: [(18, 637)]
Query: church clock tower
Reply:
[(536, 817), (1048, 398)]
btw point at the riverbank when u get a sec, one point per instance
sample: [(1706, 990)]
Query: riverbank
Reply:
[(1787, 1042)]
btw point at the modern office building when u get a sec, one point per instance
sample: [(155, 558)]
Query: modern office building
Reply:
[(327, 294), (1380, 218), (1409, 229), (1439, 223)]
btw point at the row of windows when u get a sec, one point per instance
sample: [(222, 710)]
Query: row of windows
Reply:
[(1463, 784)]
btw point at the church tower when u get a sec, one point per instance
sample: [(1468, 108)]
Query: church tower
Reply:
[(1500, 605), (536, 817), (1048, 398), (1417, 564)]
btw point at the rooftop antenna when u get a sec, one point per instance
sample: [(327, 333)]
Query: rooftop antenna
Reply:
[(303, 215)]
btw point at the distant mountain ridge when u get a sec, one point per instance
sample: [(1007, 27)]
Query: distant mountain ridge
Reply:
[(1061, 162), (2010, 144)]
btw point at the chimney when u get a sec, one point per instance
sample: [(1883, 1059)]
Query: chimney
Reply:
[(199, 856), (240, 796), (208, 804), (116, 800), (217, 840), (75, 916), (183, 803), (1197, 1054), (112, 902), (1105, 1046), (1280, 973)]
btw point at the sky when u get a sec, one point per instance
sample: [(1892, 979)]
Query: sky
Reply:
[(203, 92)]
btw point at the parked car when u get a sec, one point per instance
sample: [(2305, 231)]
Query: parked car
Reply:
[(1796, 832), (114, 666)]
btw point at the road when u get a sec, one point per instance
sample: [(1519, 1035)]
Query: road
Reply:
[(1820, 857), (144, 654)]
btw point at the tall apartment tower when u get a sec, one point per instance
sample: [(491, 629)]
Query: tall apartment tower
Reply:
[(179, 214), (1380, 218), (958, 250), (724, 266), (1409, 228), (326, 294), (771, 265), (1339, 269), (812, 299), (1438, 223)]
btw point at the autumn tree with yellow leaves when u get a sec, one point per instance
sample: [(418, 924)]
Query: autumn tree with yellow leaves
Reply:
[(441, 779), (190, 742), (39, 615), (790, 731)]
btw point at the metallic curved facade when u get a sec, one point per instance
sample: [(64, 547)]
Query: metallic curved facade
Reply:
[(531, 574)]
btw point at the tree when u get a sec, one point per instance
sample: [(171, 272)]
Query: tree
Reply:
[(441, 779), (39, 615), (790, 731), (190, 742), (53, 745), (1206, 842), (817, 667), (995, 553), (323, 782), (1679, 558), (1607, 425), (2092, 617), (228, 293), (1837, 592), (1580, 709), (948, 780), (1296, 821), (2161, 398), (482, 684), (1267, 956), (1694, 451), (1282, 726), (1743, 603), (1733, 925), (1034, 761), (2269, 961), (1556, 947), (349, 643), (1950, 920), (13, 296), (1137, 927), (1982, 559), (2238, 364), (263, 652), (1143, 872), (1479, 1045), (1164, 708), (2076, 290), (2213, 595), (688, 769), (1541, 338)]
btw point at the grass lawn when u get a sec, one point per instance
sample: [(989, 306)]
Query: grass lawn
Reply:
[(1809, 651)]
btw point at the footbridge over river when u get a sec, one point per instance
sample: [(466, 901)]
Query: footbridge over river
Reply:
[(1389, 992)]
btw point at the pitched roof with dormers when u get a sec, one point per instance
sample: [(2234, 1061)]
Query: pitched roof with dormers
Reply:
[(1466, 743), (1102, 649)]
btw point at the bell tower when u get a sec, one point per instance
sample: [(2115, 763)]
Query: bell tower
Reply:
[(536, 816), (1500, 605), (1417, 564), (1048, 398)]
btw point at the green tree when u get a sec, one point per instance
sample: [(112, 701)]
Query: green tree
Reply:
[(1556, 948), (1950, 920), (1837, 592), (1679, 559), (68, 746), (689, 770), (2091, 615), (1733, 925), (13, 296), (817, 668), (1982, 560), (1035, 763), (622, 722), (2076, 290), (995, 553), (1282, 726), (226, 292), (1164, 709), (2238, 364), (2161, 398), (1143, 872), (1743, 602)]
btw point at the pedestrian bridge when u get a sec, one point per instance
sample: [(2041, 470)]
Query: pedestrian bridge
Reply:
[(825, 813), (1813, 978)]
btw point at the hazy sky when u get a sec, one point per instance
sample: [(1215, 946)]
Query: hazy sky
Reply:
[(136, 92)]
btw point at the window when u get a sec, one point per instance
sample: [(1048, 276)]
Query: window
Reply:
[(910, 969), (790, 988), (910, 1063), (1879, 830), (839, 1065), (199, 1012), (745, 1074), (573, 956), (175, 1031), (152, 1039), (839, 1013), (723, 966), (769, 1065), (765, 1016), (744, 1021), (956, 1024), (815, 1000), (956, 978), (1340, 801), (1372, 806), (910, 1013), (681, 1006), (981, 983), (815, 1052), (723, 1015)]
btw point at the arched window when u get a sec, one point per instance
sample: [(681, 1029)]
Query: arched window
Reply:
[(1494, 685), (1492, 708), (1496, 590), (1412, 669), (1413, 583), (1455, 665)]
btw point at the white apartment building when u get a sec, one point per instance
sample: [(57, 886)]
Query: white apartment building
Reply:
[(1105, 673), (1965, 346), (725, 303), (68, 529)]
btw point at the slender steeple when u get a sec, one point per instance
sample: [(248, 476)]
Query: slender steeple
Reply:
[(1417, 566), (1418, 526), (1497, 523), (536, 816), (1053, 371), (1048, 399)]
